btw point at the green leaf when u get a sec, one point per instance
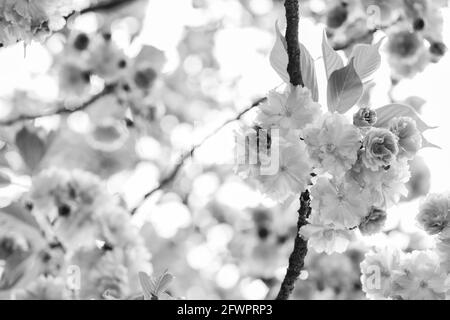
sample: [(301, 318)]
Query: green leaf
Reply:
[(344, 89), (31, 147), (308, 72), (331, 58), (386, 113), (279, 56), (367, 59)]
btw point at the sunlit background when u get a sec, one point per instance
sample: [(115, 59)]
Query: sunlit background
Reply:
[(208, 227)]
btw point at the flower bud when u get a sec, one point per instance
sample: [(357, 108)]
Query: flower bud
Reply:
[(365, 117)]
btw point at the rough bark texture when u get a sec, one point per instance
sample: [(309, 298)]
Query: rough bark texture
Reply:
[(293, 48), (297, 257)]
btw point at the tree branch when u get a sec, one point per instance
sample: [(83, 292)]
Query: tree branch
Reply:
[(297, 257), (106, 5), (186, 155), (61, 109), (293, 48)]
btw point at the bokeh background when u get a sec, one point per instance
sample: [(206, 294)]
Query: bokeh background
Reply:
[(215, 233)]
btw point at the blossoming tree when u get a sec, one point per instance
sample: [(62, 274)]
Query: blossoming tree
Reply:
[(68, 233)]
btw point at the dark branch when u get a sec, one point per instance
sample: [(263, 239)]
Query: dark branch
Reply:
[(293, 48), (174, 172), (61, 109), (297, 257), (106, 5)]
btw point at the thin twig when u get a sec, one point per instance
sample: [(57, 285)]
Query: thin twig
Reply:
[(106, 5), (186, 155), (61, 109), (297, 257)]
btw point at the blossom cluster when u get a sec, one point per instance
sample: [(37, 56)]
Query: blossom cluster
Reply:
[(96, 233), (359, 170), (26, 20), (414, 29), (90, 61), (86, 56), (421, 274), (388, 273)]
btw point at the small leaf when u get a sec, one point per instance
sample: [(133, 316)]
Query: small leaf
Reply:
[(147, 285), (153, 287), (164, 282), (5, 180), (31, 147), (331, 58), (17, 211), (388, 112), (279, 56), (367, 59), (344, 89), (428, 144), (308, 72)]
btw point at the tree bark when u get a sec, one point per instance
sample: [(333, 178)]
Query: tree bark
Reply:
[(293, 48), (297, 257)]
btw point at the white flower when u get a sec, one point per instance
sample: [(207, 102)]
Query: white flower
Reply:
[(408, 54), (342, 204), (69, 200), (291, 109), (102, 272), (44, 288), (380, 148), (333, 142), (326, 238), (409, 137), (27, 20), (420, 277), (443, 248), (115, 226), (292, 169), (377, 269), (386, 186), (434, 213)]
